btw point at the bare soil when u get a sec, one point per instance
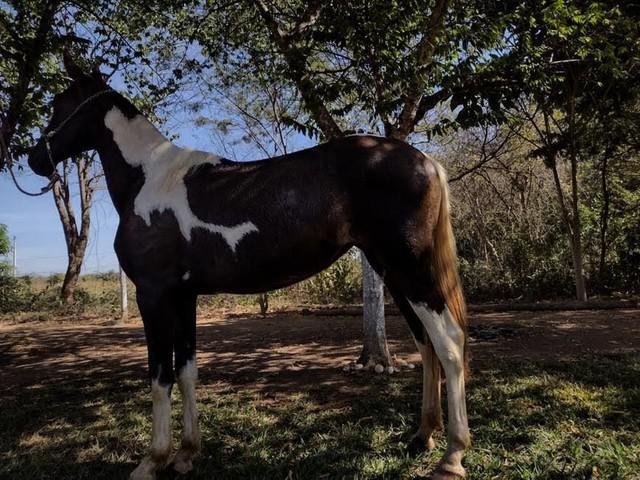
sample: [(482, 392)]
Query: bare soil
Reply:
[(282, 353)]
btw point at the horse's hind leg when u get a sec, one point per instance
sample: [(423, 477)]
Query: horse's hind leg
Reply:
[(433, 324), (158, 311), (187, 373), (431, 412), (448, 339)]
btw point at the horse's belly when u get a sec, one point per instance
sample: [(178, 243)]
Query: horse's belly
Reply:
[(264, 266)]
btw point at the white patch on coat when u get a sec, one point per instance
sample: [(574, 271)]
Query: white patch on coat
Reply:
[(165, 166), (187, 379), (447, 338), (186, 276)]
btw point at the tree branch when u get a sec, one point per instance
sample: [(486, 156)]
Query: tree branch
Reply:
[(296, 61), (26, 70), (424, 53)]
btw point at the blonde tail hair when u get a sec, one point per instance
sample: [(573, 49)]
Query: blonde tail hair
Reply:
[(444, 262)]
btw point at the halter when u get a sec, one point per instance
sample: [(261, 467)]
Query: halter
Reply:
[(54, 177)]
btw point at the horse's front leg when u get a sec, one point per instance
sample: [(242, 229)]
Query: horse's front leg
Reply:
[(158, 310), (187, 372)]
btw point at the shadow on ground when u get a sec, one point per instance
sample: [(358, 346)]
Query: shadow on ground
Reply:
[(275, 404)]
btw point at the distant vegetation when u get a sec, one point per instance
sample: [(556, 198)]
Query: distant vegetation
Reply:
[(99, 293), (512, 277)]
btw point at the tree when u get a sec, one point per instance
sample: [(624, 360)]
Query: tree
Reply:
[(579, 75), (76, 238), (5, 247)]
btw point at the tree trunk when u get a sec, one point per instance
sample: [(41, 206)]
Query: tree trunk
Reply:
[(263, 302), (375, 341), (71, 276), (604, 218), (575, 242), (571, 220), (76, 239), (581, 291), (124, 299), (374, 350), (578, 267)]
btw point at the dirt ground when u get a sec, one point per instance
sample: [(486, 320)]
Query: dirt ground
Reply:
[(287, 352)]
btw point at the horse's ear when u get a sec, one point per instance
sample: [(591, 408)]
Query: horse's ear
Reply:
[(97, 74), (73, 70)]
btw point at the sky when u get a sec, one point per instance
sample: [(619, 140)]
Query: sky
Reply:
[(35, 224)]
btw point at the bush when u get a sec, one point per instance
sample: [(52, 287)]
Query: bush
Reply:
[(13, 294), (340, 283)]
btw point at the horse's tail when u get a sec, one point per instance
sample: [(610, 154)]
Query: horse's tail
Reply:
[(444, 262)]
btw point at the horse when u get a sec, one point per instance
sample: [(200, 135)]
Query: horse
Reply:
[(193, 223)]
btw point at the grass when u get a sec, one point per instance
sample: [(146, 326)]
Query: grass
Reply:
[(577, 419)]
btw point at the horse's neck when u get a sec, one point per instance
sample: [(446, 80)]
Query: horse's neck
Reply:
[(139, 141), (129, 144), (136, 156)]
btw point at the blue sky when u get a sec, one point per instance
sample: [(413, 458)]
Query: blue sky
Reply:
[(34, 222)]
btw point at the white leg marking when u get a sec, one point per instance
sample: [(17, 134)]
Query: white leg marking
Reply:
[(187, 380), (448, 341), (160, 434), (186, 276)]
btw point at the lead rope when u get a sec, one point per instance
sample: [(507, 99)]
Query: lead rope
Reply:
[(54, 177)]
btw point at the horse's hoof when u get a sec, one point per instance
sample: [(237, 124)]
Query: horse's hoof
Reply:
[(139, 475), (182, 462), (146, 469), (418, 444), (183, 466), (448, 472), (445, 476)]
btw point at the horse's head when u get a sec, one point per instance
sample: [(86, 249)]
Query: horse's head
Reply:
[(74, 124)]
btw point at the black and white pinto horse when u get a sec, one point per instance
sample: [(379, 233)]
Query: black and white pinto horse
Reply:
[(193, 223)]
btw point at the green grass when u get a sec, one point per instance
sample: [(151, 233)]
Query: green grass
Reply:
[(559, 420)]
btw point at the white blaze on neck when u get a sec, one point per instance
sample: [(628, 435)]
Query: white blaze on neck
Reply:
[(165, 165)]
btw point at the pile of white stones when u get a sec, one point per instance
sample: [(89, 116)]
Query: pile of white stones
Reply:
[(400, 365)]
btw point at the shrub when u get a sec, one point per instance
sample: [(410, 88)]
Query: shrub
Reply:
[(13, 294), (339, 283)]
